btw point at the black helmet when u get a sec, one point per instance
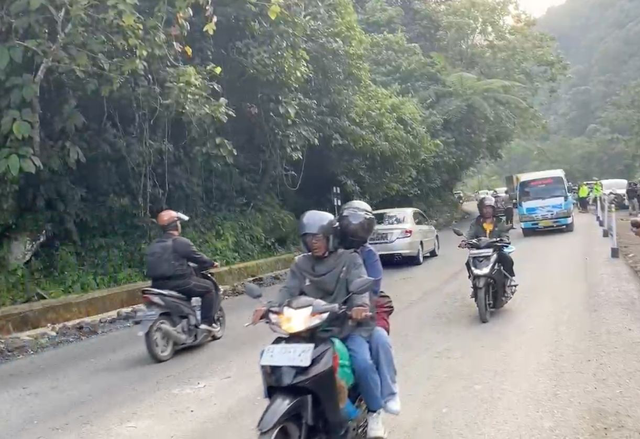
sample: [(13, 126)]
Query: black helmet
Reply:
[(315, 222), (356, 224), (486, 201)]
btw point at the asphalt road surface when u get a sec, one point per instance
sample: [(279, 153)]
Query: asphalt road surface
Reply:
[(562, 360)]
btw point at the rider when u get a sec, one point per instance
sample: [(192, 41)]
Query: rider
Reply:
[(486, 225), (327, 273), (356, 224), (168, 267)]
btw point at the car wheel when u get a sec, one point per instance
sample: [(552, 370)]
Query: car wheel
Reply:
[(419, 258), (527, 232), (436, 248)]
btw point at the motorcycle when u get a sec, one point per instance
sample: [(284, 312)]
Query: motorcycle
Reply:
[(171, 321), (492, 287), (307, 400)]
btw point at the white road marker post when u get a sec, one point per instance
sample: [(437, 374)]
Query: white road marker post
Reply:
[(615, 251), (605, 229)]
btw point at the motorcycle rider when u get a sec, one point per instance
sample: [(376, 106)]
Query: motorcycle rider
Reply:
[(486, 225), (356, 223), (168, 267), (327, 272)]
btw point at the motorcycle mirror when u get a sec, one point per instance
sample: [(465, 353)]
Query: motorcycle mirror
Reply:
[(362, 285), (458, 232), (253, 291), (321, 307)]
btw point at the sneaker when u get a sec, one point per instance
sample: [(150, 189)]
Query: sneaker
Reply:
[(375, 429), (210, 328), (392, 406)]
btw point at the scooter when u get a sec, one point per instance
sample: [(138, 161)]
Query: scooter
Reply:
[(492, 287), (171, 321), (300, 372)]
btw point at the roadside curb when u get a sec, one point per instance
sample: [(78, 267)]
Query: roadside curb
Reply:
[(30, 316)]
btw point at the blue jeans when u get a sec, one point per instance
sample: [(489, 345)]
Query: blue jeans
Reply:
[(365, 371), (382, 355)]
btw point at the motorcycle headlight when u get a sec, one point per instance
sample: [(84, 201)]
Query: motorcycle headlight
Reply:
[(293, 321)]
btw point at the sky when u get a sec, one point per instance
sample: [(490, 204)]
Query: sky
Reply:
[(538, 7)]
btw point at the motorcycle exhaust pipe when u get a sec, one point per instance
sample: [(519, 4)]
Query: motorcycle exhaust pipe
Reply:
[(173, 334)]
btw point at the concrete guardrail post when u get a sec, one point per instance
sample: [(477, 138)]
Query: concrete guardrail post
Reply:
[(605, 229)]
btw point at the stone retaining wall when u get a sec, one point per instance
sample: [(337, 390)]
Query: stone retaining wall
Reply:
[(35, 315)]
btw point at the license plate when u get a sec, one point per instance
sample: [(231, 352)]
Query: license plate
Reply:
[(546, 223), (380, 237), (297, 355)]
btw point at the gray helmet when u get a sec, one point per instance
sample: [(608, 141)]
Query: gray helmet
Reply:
[(356, 223), (486, 201), (357, 205), (315, 222)]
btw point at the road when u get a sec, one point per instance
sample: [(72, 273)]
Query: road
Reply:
[(560, 361)]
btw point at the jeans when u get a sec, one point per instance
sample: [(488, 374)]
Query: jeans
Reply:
[(365, 371), (382, 355), (194, 287)]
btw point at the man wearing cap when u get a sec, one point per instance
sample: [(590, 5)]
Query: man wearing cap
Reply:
[(168, 260)]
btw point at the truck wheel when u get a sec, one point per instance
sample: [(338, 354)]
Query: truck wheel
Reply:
[(571, 227), (527, 232)]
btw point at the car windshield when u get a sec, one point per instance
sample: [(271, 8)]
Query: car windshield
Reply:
[(390, 218), (542, 189)]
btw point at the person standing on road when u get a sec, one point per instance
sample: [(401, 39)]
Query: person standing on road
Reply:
[(583, 197), (632, 197), (356, 223), (168, 260), (597, 193)]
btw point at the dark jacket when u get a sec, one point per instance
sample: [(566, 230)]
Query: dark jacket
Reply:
[(476, 230), (329, 279), (169, 257)]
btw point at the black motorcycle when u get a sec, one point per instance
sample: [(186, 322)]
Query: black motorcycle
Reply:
[(492, 287), (171, 321), (300, 372)]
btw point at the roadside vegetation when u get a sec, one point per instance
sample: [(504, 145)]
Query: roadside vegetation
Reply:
[(593, 128), (242, 114)]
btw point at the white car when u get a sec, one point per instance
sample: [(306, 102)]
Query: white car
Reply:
[(404, 233), (481, 194)]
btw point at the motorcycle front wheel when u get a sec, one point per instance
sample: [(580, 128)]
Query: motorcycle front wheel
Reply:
[(286, 430), (159, 345), (482, 300)]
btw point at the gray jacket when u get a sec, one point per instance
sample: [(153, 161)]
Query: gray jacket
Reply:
[(329, 279)]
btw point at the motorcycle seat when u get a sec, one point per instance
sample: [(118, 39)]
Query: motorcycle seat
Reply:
[(166, 293)]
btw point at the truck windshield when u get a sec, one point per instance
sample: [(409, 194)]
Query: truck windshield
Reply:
[(542, 189)]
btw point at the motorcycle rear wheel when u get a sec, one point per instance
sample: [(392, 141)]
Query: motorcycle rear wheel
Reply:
[(482, 300), (286, 430), (160, 347)]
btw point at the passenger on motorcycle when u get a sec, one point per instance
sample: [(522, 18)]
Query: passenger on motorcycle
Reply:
[(327, 272), (168, 267), (356, 223), (486, 225)]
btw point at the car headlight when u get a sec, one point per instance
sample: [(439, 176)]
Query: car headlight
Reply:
[(564, 213), (526, 218)]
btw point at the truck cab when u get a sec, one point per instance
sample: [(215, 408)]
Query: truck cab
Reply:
[(544, 202)]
